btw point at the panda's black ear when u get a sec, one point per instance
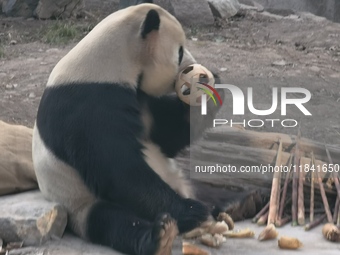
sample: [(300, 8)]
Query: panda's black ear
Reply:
[(151, 22)]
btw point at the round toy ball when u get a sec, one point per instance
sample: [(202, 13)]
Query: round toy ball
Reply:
[(188, 86)]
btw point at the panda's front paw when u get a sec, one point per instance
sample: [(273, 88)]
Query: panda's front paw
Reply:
[(192, 215)]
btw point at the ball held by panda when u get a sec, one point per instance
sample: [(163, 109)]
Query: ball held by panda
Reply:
[(191, 84)]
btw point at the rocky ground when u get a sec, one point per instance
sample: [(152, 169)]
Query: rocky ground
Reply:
[(253, 49)]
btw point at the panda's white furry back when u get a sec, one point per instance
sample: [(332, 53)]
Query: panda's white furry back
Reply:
[(107, 132)]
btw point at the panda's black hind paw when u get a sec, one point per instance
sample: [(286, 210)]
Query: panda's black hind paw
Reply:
[(163, 233), (192, 215)]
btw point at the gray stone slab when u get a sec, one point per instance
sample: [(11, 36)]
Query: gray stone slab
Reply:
[(30, 218), (224, 8), (193, 12), (19, 8), (48, 9), (325, 8)]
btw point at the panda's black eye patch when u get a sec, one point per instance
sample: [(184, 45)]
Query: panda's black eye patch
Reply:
[(180, 55)]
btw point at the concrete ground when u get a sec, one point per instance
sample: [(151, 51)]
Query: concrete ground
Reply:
[(313, 244)]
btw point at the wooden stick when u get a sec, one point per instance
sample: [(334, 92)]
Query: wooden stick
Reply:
[(278, 195), (311, 212), (285, 186), (335, 174), (295, 180), (275, 189), (315, 223), (263, 211), (328, 174), (338, 221), (262, 220), (260, 213), (283, 221), (301, 205), (336, 210), (323, 195)]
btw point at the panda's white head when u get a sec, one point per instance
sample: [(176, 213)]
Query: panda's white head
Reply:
[(142, 45)]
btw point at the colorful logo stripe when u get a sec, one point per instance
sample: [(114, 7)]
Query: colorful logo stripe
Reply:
[(210, 94)]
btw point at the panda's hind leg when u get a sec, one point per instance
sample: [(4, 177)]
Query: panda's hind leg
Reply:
[(117, 227)]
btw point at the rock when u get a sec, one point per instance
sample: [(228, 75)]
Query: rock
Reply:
[(192, 12), (293, 16), (247, 4), (13, 42), (16, 166), (27, 251), (224, 8), (166, 4), (9, 86), (279, 63), (315, 69), (43, 9), (299, 46), (28, 217), (258, 6), (47, 9), (31, 95), (248, 7), (19, 8)]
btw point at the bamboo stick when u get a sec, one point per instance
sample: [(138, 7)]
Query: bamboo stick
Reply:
[(263, 219), (260, 213), (264, 210), (301, 205), (315, 223), (283, 221), (335, 174), (278, 190), (295, 180), (336, 210), (311, 212), (273, 206), (338, 220), (285, 186), (323, 195)]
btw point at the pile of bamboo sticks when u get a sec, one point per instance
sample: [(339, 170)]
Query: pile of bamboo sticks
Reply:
[(277, 210)]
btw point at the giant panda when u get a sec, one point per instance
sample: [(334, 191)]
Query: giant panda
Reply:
[(108, 128)]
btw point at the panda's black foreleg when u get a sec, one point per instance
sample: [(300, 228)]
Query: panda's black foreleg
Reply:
[(175, 124), (142, 191), (122, 230)]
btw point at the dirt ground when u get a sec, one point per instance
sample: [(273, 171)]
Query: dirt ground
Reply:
[(258, 50)]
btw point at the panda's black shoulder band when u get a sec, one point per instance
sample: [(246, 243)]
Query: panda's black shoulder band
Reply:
[(151, 22)]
